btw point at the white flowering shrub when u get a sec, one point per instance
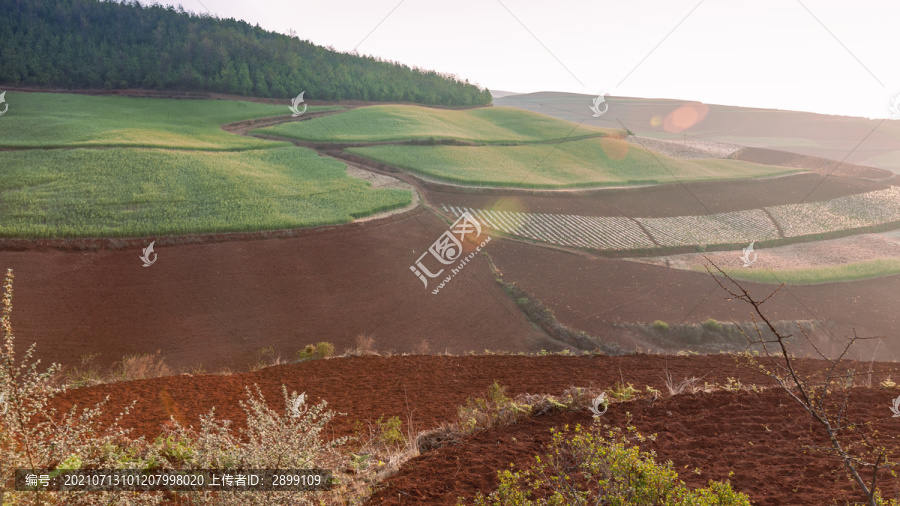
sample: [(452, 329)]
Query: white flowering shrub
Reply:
[(34, 435)]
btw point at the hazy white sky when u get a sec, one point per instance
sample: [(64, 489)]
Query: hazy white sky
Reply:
[(761, 53)]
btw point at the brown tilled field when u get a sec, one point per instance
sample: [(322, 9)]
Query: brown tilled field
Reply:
[(217, 304), (215, 301), (763, 438), (663, 200), (591, 293)]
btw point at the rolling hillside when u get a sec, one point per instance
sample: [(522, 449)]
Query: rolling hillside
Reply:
[(88, 44)]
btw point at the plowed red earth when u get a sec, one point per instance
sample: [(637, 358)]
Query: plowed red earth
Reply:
[(590, 293), (663, 200), (763, 438), (217, 304), (759, 436)]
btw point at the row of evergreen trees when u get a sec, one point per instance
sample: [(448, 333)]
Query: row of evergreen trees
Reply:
[(90, 44)]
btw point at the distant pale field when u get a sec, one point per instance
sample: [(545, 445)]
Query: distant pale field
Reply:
[(832, 137), (583, 163), (383, 123), (846, 259), (137, 192), (816, 275), (49, 120)]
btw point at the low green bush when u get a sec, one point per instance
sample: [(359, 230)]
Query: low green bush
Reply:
[(661, 326), (585, 466), (315, 351), (712, 325), (494, 409), (390, 431)]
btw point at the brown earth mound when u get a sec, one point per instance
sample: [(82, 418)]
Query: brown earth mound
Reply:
[(758, 436)]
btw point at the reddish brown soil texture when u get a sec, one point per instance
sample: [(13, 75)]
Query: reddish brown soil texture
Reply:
[(591, 293), (710, 432), (763, 438), (426, 388), (664, 200), (217, 304)]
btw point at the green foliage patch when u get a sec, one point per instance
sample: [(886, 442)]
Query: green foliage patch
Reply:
[(384, 123), (144, 192), (581, 163), (54, 120), (586, 466), (122, 45), (813, 275)]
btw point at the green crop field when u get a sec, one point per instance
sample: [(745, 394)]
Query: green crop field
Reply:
[(48, 120), (815, 275), (583, 163), (138, 192), (384, 123)]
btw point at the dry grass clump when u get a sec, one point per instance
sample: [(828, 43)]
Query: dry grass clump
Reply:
[(365, 345), (132, 367), (136, 367)]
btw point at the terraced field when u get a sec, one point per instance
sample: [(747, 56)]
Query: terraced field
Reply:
[(595, 232), (722, 228), (383, 123), (55, 120), (853, 211), (128, 192), (572, 164), (624, 233), (165, 167)]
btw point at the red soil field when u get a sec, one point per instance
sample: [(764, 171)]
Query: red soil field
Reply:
[(759, 436), (663, 200), (590, 293), (217, 304), (763, 438)]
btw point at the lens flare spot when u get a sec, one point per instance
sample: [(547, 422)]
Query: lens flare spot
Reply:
[(655, 121), (685, 117), (511, 205), (614, 149)]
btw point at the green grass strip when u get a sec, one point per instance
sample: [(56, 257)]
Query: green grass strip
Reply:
[(866, 269), (139, 192), (63, 120)]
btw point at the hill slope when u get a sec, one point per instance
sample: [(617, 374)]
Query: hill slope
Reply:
[(837, 138), (97, 45)]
